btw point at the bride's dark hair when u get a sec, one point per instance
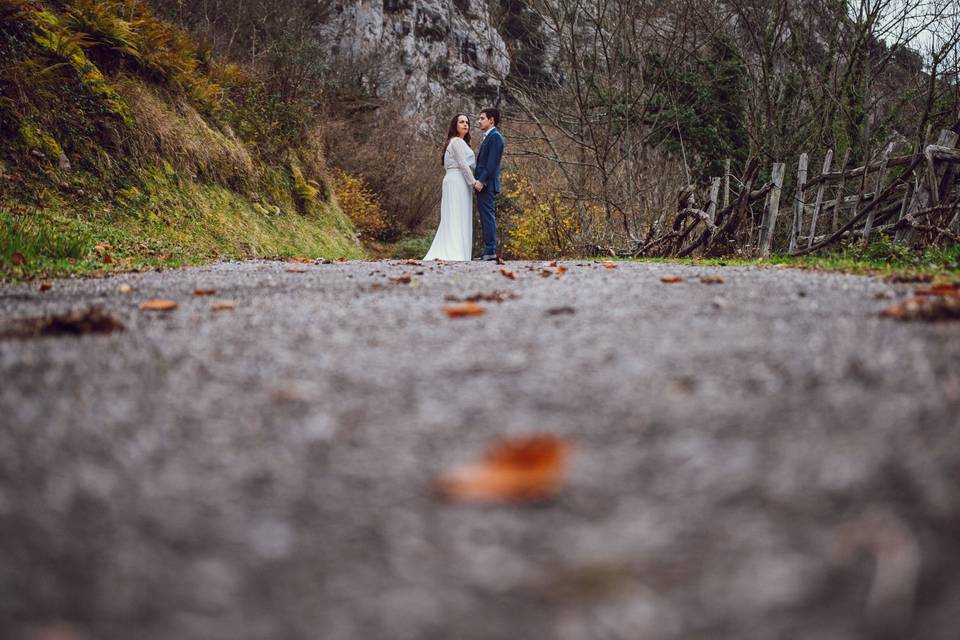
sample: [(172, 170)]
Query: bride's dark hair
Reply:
[(452, 133)]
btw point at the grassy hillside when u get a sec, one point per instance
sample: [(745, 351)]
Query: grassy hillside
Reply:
[(127, 145)]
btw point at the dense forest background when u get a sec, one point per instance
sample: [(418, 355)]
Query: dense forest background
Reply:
[(331, 113)]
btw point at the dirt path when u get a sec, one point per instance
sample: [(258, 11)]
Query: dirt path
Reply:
[(760, 458)]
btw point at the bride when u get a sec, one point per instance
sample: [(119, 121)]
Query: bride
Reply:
[(454, 239)]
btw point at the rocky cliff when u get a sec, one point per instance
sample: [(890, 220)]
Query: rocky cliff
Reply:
[(429, 51)]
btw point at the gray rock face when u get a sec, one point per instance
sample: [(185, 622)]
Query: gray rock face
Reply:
[(432, 52)]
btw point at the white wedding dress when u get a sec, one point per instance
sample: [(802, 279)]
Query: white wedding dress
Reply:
[(454, 239)]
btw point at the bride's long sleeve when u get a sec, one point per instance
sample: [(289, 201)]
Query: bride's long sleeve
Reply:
[(459, 149)]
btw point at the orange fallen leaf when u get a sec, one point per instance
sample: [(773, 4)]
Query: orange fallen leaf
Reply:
[(45, 286), (939, 290), (552, 264), (508, 274), (158, 305), (464, 310), (343, 259), (562, 269), (107, 259), (609, 265), (300, 260), (412, 263), (226, 305), (546, 273), (711, 280), (18, 259), (204, 292), (296, 270), (512, 470), (929, 308), (671, 279)]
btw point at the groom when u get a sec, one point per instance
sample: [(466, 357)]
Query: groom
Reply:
[(488, 179)]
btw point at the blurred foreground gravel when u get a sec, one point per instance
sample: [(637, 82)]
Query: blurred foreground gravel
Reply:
[(763, 458)]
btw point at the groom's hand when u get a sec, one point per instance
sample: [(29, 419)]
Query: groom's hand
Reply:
[(478, 185)]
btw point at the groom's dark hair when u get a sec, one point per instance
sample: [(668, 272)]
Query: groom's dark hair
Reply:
[(493, 113)]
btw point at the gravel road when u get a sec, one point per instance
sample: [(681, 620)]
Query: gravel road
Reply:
[(760, 458)]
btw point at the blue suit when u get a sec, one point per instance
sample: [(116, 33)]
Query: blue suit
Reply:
[(488, 172)]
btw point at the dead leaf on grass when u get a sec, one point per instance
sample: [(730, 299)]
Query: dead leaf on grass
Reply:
[(671, 279), (18, 259), (158, 305), (204, 292), (508, 274), (465, 310), (512, 470)]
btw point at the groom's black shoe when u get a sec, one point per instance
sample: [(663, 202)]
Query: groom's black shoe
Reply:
[(488, 257)]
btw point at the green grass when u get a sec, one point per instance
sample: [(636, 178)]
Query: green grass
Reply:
[(164, 221), (881, 258)]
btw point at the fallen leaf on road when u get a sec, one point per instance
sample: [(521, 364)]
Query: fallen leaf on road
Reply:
[(902, 279), (204, 292), (492, 296), (711, 280), (124, 288), (464, 310), (928, 308), (412, 263), (296, 270), (226, 305), (45, 286), (500, 261), (671, 279), (546, 273), (561, 269), (608, 265), (300, 260), (18, 259), (343, 259), (158, 305), (87, 321), (939, 290), (512, 470), (559, 311), (508, 274), (404, 279)]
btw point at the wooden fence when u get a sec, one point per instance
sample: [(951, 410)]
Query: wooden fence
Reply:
[(913, 197)]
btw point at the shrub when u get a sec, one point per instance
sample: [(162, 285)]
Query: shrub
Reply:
[(538, 223), (360, 203)]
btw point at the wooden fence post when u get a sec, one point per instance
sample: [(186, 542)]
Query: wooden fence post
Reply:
[(827, 161), (798, 202), (922, 196), (726, 183), (772, 208), (868, 225), (838, 200), (714, 194)]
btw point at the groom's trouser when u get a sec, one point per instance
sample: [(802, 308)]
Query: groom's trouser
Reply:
[(486, 205)]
